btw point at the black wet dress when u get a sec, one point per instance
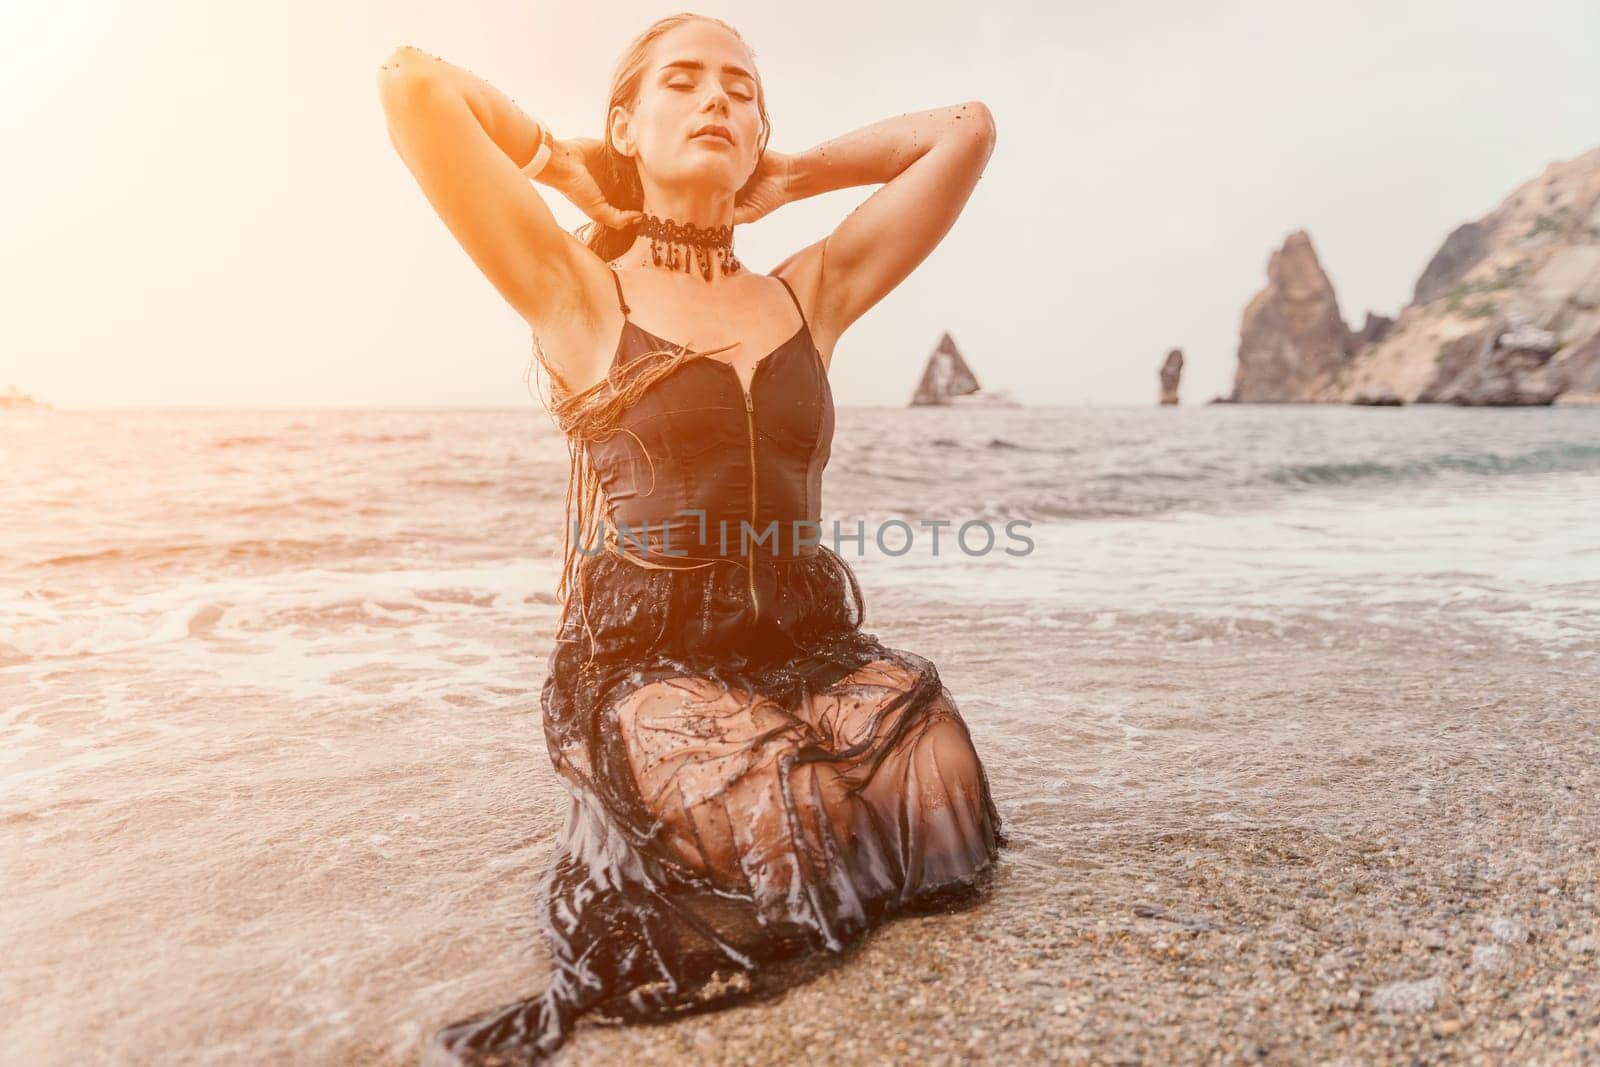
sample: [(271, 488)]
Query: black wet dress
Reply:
[(755, 781)]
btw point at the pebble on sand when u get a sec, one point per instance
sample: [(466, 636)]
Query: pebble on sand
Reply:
[(1490, 959), (1408, 996)]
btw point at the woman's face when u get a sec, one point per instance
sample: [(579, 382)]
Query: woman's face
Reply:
[(698, 75)]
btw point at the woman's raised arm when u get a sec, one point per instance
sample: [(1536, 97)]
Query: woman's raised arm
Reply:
[(930, 161), (466, 143)]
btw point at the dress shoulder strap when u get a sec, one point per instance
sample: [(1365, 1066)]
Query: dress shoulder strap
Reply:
[(796, 299), (618, 281)]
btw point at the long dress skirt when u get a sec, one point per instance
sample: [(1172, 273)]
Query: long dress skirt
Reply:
[(751, 792)]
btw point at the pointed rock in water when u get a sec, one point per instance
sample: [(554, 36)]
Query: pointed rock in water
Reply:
[(1292, 339), (946, 375), (1171, 372)]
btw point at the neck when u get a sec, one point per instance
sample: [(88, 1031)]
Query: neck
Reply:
[(702, 205), (689, 243)]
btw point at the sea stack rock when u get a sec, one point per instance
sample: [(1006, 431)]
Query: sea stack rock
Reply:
[(1171, 371), (947, 380), (946, 375), (1293, 339)]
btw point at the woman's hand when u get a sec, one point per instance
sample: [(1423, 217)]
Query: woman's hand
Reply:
[(770, 190), (570, 172)]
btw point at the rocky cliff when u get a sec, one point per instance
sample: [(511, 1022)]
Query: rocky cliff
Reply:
[(1506, 312)]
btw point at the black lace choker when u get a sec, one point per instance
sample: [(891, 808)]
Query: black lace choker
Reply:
[(702, 242)]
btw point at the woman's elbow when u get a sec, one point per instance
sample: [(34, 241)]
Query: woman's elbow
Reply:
[(977, 112), (405, 70), (407, 59)]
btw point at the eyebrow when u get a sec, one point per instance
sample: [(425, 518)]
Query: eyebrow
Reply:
[(695, 64)]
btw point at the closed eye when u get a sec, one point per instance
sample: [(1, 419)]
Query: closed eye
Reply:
[(745, 97)]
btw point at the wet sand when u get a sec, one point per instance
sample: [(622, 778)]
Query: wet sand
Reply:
[(1409, 877)]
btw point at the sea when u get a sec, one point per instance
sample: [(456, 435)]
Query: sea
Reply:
[(273, 786)]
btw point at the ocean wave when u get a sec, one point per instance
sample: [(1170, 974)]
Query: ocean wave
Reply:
[(266, 614), (248, 440), (288, 549), (1552, 459), (354, 438), (310, 503), (1002, 443)]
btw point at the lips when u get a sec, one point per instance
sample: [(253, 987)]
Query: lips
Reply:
[(715, 131)]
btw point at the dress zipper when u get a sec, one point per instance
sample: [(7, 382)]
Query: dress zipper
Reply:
[(750, 561)]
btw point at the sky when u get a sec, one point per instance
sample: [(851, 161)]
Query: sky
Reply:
[(200, 205)]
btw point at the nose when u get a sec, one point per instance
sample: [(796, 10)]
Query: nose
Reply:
[(716, 99)]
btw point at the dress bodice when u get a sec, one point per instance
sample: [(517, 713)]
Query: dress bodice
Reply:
[(704, 469)]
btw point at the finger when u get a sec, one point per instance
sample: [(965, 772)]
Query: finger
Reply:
[(592, 202), (606, 215)]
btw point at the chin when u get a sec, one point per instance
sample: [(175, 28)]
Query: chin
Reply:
[(711, 175)]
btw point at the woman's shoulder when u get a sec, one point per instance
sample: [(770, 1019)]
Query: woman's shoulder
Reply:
[(804, 274)]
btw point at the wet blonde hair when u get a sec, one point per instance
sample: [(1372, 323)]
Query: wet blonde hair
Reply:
[(595, 413)]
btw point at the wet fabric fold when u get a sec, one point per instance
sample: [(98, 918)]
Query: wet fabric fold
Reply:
[(749, 796)]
